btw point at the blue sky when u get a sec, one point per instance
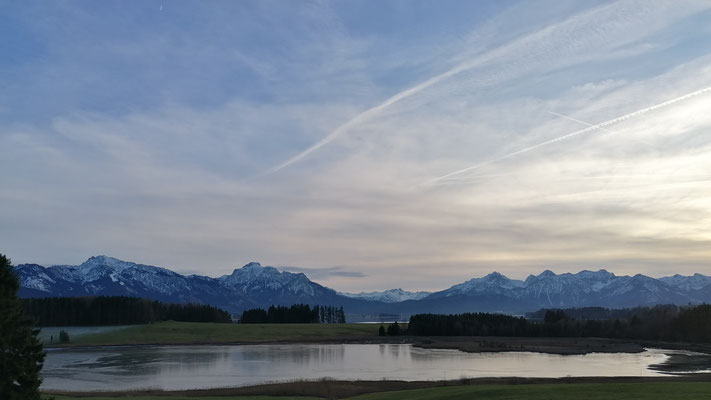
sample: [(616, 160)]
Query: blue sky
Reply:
[(377, 143)]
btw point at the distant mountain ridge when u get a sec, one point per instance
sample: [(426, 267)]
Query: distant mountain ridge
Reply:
[(256, 286), (388, 296), (585, 288)]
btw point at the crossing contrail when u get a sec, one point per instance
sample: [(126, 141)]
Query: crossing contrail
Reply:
[(600, 128), (579, 121), (590, 128)]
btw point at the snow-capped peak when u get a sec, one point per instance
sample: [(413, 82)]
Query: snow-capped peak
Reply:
[(493, 282), (254, 277), (105, 262), (496, 277), (547, 273), (255, 271)]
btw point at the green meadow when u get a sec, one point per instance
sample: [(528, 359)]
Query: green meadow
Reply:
[(171, 332)]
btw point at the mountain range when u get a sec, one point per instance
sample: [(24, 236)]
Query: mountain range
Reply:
[(254, 285)]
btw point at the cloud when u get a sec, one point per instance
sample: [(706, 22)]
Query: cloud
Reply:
[(325, 273), (591, 128), (155, 160)]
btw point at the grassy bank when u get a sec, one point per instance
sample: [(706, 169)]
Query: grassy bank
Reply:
[(608, 391), (643, 390), (558, 345), (172, 332), (188, 398)]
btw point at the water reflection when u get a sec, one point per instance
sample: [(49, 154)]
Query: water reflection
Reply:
[(185, 367), (150, 360)]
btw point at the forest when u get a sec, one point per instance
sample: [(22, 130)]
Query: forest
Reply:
[(599, 313), (296, 314), (665, 322), (115, 310)]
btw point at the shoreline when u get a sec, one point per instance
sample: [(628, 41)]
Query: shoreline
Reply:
[(474, 344)]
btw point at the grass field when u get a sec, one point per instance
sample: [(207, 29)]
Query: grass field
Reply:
[(560, 391), (172, 332), (176, 333)]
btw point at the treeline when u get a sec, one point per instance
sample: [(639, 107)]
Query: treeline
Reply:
[(393, 329), (115, 310), (668, 323), (598, 313), (295, 314), (468, 324)]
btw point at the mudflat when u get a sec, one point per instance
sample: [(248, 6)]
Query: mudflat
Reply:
[(673, 387)]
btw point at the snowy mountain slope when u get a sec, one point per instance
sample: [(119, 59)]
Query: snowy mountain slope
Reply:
[(103, 274), (688, 283), (388, 296), (108, 276), (697, 286), (267, 285), (571, 290), (630, 291), (247, 287), (494, 283)]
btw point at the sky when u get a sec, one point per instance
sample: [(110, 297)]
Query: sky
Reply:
[(369, 144)]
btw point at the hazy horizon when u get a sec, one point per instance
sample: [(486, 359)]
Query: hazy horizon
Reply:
[(377, 144)]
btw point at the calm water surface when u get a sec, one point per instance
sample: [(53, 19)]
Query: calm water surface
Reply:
[(189, 367)]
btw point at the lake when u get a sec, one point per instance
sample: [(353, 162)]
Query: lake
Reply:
[(191, 367)]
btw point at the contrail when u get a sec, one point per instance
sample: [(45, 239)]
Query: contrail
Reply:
[(480, 59), (600, 128), (591, 128), (579, 121), (372, 111)]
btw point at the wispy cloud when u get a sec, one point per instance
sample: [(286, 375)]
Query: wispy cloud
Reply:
[(601, 126), (325, 273), (602, 29)]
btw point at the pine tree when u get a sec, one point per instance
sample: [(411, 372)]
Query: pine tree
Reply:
[(21, 354), (393, 329), (63, 336)]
